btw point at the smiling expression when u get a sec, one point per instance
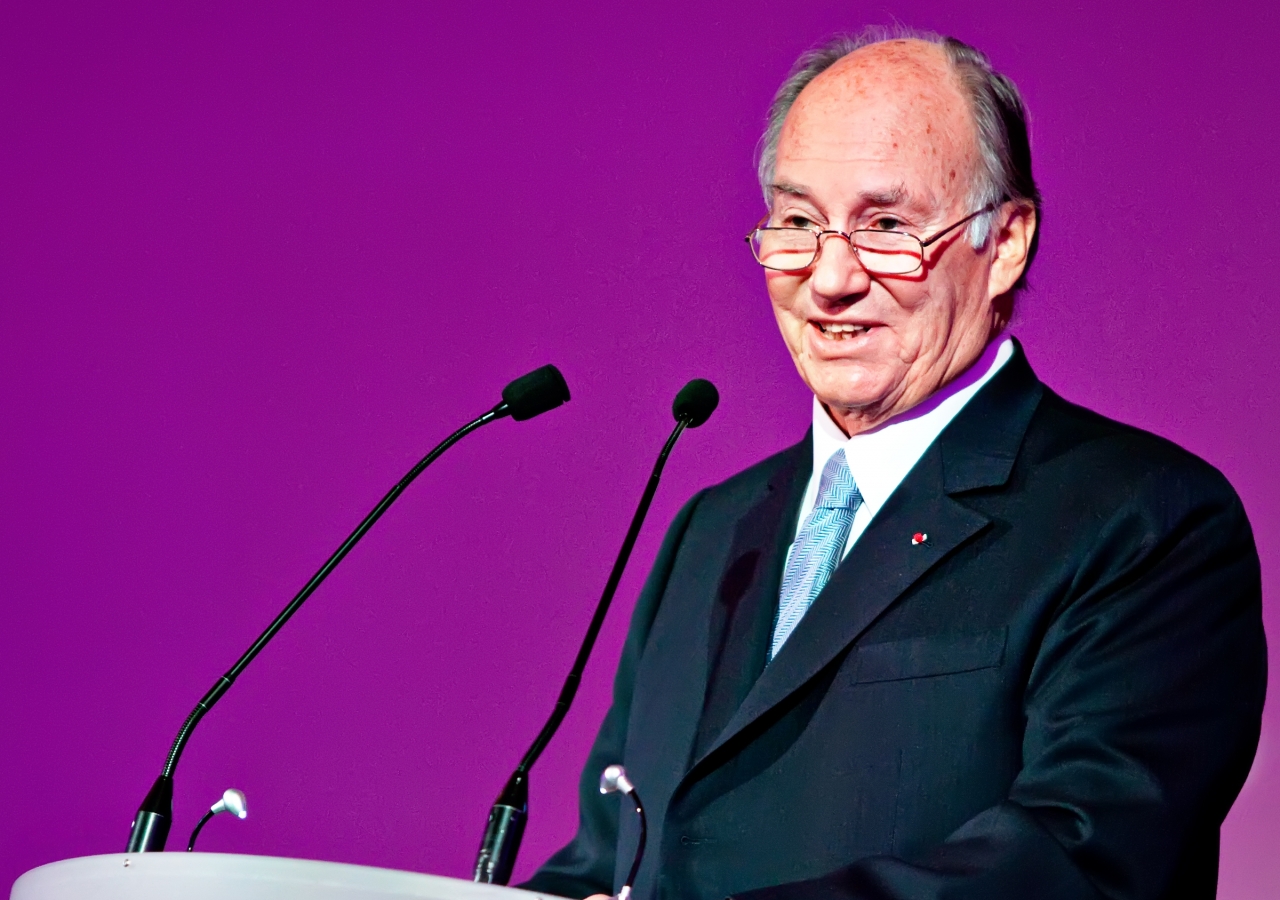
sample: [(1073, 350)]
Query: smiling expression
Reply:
[(884, 139)]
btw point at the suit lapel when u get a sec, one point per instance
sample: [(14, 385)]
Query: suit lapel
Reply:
[(976, 450), (688, 637), (741, 623)]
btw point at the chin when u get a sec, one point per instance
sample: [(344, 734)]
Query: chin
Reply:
[(845, 402), (840, 394)]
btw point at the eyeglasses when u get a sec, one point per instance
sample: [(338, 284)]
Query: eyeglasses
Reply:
[(791, 249)]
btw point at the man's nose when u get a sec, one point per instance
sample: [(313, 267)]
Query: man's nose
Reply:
[(838, 276)]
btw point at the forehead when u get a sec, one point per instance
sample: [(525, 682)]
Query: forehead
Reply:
[(888, 116)]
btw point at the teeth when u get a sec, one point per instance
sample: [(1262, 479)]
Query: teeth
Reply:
[(841, 331)]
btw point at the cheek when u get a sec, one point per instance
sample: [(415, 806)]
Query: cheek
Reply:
[(784, 295), (909, 308), (933, 306), (782, 288), (919, 327)]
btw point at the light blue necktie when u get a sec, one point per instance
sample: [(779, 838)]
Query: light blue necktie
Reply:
[(818, 547)]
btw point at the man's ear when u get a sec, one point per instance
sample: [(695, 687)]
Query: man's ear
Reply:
[(1015, 229)]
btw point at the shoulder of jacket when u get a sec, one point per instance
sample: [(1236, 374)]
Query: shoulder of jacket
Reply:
[(1062, 429)]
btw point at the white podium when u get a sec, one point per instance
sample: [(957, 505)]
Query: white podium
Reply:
[(216, 876)]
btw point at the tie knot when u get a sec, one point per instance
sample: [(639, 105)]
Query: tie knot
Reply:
[(837, 489)]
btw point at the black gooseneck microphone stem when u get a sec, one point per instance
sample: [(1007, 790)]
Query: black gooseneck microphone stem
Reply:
[(574, 678), (507, 817), (151, 827), (225, 682), (625, 893), (191, 844)]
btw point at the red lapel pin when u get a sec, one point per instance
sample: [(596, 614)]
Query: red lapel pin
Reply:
[(919, 538)]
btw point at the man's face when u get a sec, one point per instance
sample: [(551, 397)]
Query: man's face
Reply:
[(882, 139)]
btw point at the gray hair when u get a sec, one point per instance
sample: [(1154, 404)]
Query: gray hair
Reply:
[(999, 117)]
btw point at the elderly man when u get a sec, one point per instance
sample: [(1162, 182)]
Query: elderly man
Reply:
[(965, 640)]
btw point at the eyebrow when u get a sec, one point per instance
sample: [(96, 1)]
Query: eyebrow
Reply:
[(885, 197), (890, 197), (791, 190)]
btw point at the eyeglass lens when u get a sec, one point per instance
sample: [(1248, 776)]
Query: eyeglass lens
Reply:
[(882, 253)]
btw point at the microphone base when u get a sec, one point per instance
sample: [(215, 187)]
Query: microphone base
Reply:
[(155, 815), (503, 833)]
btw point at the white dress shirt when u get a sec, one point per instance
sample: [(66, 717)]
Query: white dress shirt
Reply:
[(879, 459)]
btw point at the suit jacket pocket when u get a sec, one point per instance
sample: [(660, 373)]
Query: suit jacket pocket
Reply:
[(933, 655)]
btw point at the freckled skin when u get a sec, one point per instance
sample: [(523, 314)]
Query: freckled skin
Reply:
[(889, 116)]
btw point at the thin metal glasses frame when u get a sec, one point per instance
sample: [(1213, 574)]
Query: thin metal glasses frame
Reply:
[(818, 235)]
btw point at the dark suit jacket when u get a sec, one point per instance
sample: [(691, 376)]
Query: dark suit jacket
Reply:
[(1056, 695)]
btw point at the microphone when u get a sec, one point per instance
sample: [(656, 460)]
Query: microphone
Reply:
[(232, 801), (500, 844), (542, 390), (614, 780), (528, 396), (696, 402)]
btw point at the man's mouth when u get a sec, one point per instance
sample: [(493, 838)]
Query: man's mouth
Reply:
[(842, 332)]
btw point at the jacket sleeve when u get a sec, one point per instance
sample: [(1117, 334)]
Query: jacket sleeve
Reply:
[(1142, 712), (586, 864)]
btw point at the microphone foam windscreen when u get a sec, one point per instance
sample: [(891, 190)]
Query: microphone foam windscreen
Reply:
[(533, 394), (696, 402)]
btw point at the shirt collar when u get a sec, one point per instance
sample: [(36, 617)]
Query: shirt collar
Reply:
[(881, 458)]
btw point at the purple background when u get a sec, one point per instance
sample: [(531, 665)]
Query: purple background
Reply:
[(255, 259)]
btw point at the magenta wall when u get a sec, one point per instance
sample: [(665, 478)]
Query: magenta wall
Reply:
[(255, 261)]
